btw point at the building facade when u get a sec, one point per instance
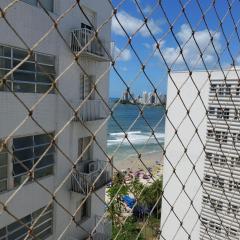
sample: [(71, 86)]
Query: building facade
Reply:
[(52, 58), (201, 168)]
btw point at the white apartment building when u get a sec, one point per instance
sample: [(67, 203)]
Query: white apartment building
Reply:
[(211, 156), (30, 81)]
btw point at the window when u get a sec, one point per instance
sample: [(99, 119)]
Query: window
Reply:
[(216, 159), (221, 136), (207, 178), (42, 230), (84, 212), (213, 88), (211, 110), (210, 133), (230, 231), (209, 156), (205, 199), (235, 162), (228, 90), (85, 26), (217, 182), (223, 160), (204, 221), (33, 76), (3, 170), (26, 152), (221, 89), (226, 113), (48, 4), (86, 85), (232, 208), (238, 89)]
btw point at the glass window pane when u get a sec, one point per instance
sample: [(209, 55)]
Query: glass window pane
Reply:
[(19, 54), (45, 69), (5, 63), (15, 225), (42, 139), (27, 66), (23, 87), (46, 78), (45, 59), (45, 161), (24, 154), (23, 76), (3, 72), (48, 4), (5, 51), (43, 88), (32, 2), (21, 168), (44, 226), (40, 150), (19, 233), (45, 234), (2, 232), (44, 172), (22, 142)]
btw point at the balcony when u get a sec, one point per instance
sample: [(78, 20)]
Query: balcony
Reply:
[(83, 179), (95, 50), (91, 110)]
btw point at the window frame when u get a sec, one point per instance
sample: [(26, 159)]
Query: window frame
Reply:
[(29, 219), (33, 83), (34, 146)]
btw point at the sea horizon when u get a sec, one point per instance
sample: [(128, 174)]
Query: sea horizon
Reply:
[(139, 134)]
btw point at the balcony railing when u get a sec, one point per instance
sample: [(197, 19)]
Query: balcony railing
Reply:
[(96, 49), (91, 110), (82, 180)]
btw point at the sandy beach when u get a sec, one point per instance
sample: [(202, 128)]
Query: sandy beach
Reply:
[(132, 162)]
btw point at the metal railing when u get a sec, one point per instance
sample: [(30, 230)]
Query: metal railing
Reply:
[(82, 180), (81, 37)]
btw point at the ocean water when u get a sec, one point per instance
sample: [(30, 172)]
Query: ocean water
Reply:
[(139, 133)]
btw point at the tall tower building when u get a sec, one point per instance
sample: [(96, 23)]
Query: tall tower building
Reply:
[(53, 58), (201, 168), (145, 97)]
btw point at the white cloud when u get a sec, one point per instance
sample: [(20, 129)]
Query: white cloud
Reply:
[(147, 45), (147, 10), (131, 25), (191, 52), (125, 55)]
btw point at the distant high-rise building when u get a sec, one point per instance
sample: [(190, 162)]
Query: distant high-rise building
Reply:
[(152, 99), (208, 210), (145, 97), (125, 96)]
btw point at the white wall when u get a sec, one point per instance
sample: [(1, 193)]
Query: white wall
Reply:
[(175, 157)]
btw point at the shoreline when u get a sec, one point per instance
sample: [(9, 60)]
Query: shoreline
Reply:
[(134, 164)]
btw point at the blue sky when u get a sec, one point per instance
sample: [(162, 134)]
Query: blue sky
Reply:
[(130, 17)]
